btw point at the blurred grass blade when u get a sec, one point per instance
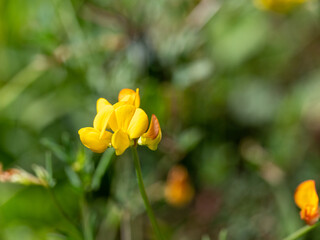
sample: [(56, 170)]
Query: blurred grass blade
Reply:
[(202, 13), (73, 177), (48, 162), (22, 80), (102, 168), (223, 234), (301, 232), (205, 237), (55, 148), (69, 22)]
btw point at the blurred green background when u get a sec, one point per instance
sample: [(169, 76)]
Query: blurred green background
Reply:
[(236, 90)]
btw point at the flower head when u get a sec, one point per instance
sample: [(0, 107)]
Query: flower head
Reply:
[(121, 125), (129, 123), (307, 200)]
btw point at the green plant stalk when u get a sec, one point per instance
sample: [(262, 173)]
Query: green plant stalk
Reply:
[(144, 195), (61, 210), (300, 232), (85, 212)]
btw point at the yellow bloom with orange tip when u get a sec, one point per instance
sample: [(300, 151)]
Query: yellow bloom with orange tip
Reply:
[(121, 125), (125, 119), (153, 136), (281, 6), (307, 200), (178, 190), (97, 139)]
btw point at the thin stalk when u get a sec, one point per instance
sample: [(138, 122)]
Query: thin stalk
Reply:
[(61, 210), (144, 195), (300, 232), (87, 229)]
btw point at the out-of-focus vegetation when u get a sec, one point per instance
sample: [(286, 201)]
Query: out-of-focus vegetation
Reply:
[(236, 90)]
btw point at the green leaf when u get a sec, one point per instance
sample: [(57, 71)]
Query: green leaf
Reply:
[(102, 168), (55, 148), (73, 177)]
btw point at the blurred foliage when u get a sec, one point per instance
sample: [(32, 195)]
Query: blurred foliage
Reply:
[(236, 90)]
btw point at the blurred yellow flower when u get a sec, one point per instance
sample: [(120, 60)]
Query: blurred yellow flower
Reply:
[(119, 125), (278, 5), (307, 200), (178, 190)]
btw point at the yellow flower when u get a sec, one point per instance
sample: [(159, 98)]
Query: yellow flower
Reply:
[(96, 138), (92, 139), (127, 123), (105, 111), (307, 200), (278, 5), (153, 136), (178, 190), (126, 120)]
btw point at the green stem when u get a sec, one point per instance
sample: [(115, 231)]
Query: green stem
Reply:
[(86, 220), (63, 213), (144, 195), (302, 231)]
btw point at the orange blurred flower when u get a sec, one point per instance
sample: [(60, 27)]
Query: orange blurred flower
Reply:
[(178, 190), (307, 200)]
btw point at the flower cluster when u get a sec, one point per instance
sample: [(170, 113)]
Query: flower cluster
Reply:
[(121, 125), (278, 5), (307, 200)]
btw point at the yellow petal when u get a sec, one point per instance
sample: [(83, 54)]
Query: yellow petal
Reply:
[(123, 116), (112, 122), (120, 141), (90, 137), (137, 100), (153, 136), (310, 214), (138, 124), (306, 194), (101, 103), (119, 104), (130, 97), (101, 120)]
